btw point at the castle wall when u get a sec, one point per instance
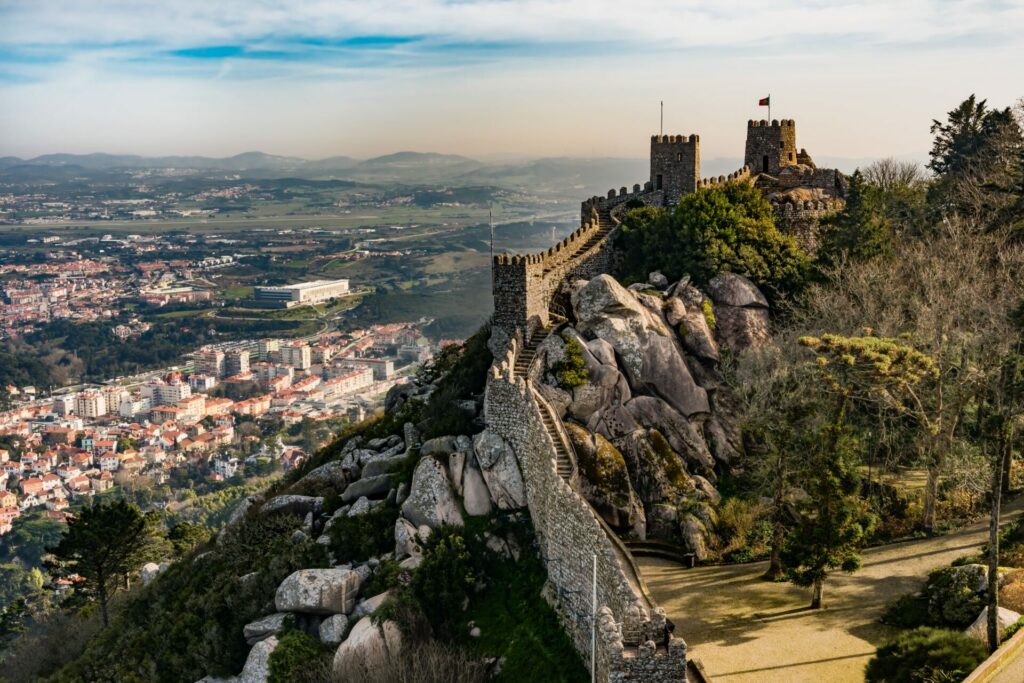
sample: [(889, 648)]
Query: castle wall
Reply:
[(570, 536), (525, 285), (775, 141), (828, 179), (803, 219), (713, 181)]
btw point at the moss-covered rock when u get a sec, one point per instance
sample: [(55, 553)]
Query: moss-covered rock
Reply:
[(606, 479)]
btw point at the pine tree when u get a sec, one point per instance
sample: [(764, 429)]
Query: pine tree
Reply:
[(104, 545)]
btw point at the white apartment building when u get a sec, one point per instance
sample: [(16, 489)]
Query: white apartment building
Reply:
[(135, 405), (297, 355), (210, 363), (90, 404)]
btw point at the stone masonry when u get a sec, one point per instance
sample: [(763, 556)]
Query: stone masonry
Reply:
[(570, 537)]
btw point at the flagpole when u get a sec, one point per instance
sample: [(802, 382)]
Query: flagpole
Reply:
[(769, 109)]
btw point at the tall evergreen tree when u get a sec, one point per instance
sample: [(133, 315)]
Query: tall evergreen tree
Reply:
[(104, 545)]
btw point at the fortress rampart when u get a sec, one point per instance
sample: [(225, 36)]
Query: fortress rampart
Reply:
[(713, 181), (571, 537), (525, 285)]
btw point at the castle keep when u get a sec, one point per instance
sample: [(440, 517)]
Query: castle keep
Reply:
[(582, 555)]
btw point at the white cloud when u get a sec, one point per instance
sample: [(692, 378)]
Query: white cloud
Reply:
[(678, 24)]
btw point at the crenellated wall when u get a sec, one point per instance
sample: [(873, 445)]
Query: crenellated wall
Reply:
[(802, 218), (742, 174), (525, 285), (828, 179), (570, 536)]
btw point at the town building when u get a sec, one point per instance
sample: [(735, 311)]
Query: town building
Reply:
[(313, 292)]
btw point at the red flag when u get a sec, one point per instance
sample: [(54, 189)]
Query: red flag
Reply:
[(764, 101)]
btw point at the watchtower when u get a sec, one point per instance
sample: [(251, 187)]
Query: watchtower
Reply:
[(675, 165), (770, 146)]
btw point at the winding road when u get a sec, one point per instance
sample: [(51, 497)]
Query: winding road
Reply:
[(746, 630)]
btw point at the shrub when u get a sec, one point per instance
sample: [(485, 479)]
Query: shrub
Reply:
[(364, 536), (709, 315), (745, 532), (726, 228), (297, 657), (571, 371), (388, 575), (907, 611), (925, 654), (462, 378), (442, 583)]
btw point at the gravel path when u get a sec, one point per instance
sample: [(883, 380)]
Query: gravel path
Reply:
[(745, 630)]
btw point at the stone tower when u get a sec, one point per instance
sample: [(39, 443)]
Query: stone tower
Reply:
[(675, 165), (770, 146)]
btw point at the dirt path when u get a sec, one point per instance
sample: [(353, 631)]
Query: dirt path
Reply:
[(745, 630)]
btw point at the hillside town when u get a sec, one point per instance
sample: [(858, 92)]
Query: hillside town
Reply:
[(85, 441)]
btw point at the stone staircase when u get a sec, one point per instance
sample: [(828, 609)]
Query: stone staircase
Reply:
[(563, 461), (605, 226)]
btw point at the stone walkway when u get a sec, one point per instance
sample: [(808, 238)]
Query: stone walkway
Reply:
[(745, 630)]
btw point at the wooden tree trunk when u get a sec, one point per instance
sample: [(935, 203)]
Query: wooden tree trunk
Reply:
[(774, 572), (993, 543), (819, 585), (931, 494)]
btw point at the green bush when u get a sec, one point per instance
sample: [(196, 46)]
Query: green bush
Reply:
[(907, 611), (726, 228), (443, 581), (926, 654), (571, 371), (364, 536), (297, 657), (386, 577), (188, 623), (464, 377)]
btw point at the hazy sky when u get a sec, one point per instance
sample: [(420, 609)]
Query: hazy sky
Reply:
[(316, 78)]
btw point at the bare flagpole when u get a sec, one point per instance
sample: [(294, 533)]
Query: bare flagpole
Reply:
[(490, 223), (661, 121)]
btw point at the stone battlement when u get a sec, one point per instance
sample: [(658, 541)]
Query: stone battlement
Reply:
[(631, 649), (643, 193), (774, 123), (525, 284), (786, 206), (675, 139), (742, 174)]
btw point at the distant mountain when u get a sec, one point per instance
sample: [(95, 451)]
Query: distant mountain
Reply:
[(418, 159), (564, 174)]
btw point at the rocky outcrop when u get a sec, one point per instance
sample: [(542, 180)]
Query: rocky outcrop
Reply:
[(297, 505), (651, 357), (263, 628), (741, 312), (332, 629), (500, 471), (365, 648), (431, 501), (257, 665), (319, 591), (605, 481), (475, 496), (684, 438)]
